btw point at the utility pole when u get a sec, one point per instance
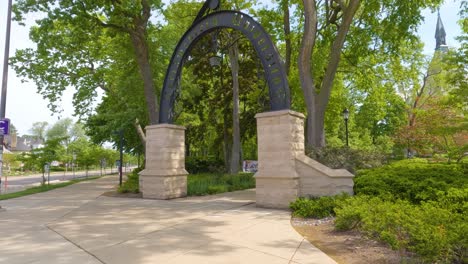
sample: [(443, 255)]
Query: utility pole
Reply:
[(4, 83)]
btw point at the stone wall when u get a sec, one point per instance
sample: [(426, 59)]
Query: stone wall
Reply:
[(284, 171)]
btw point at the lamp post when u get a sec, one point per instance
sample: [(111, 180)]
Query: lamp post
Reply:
[(346, 117)]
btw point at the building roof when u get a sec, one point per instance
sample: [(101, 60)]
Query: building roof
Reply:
[(21, 144)]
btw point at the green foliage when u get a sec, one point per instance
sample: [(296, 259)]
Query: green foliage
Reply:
[(432, 230), (316, 207), (411, 180), (347, 158), (412, 205), (131, 185), (202, 184), (207, 164)]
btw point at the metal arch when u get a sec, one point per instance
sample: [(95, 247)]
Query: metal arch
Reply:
[(263, 45)]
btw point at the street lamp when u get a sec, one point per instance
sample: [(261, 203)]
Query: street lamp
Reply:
[(346, 117), (215, 60)]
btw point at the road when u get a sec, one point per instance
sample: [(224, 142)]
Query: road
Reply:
[(19, 183)]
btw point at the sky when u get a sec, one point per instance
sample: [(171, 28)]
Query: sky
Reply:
[(25, 106)]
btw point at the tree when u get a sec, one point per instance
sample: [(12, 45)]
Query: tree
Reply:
[(38, 130), (67, 130), (87, 154), (348, 29), (458, 63), (74, 35), (236, 141), (38, 158)]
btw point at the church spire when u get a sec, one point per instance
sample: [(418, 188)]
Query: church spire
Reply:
[(440, 33)]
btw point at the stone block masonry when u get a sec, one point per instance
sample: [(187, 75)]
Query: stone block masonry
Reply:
[(284, 171), (164, 176)]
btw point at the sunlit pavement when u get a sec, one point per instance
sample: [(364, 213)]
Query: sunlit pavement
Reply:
[(76, 224)]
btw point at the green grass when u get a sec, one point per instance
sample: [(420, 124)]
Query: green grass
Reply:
[(201, 184), (212, 183), (42, 188)]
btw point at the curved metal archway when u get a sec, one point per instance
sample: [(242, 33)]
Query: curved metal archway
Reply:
[(266, 50)]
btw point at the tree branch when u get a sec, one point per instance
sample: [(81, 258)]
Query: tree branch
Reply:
[(335, 53)]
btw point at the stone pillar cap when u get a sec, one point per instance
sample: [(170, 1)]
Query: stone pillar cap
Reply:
[(280, 113), (158, 126)]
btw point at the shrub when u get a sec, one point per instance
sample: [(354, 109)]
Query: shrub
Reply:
[(56, 169), (316, 207), (347, 158), (195, 165), (412, 180), (434, 232), (131, 185)]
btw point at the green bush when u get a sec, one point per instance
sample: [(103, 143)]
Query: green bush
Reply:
[(347, 158), (412, 180), (412, 205), (437, 233), (131, 185), (316, 207), (195, 165), (55, 169)]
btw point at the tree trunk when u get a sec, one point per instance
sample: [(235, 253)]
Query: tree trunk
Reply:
[(304, 65), (227, 144), (140, 46), (316, 131), (140, 133), (317, 102), (235, 155)]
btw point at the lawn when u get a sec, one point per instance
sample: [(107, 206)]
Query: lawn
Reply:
[(201, 183)]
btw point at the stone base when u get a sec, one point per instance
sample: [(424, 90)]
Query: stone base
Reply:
[(276, 192), (317, 179), (284, 171), (163, 187), (164, 176)]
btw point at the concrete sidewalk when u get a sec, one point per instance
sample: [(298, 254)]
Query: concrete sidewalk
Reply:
[(76, 224)]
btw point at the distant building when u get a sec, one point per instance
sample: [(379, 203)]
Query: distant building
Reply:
[(15, 143), (441, 45)]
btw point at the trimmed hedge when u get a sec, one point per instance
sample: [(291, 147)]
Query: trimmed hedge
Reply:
[(316, 207), (412, 205), (435, 231), (415, 181)]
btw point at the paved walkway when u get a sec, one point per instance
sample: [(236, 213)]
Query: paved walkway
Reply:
[(76, 224)]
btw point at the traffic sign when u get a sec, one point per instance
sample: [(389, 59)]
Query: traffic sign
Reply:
[(4, 127)]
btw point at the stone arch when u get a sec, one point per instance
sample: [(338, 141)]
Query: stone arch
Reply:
[(272, 64)]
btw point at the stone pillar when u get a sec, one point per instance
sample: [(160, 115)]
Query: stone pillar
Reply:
[(164, 176), (280, 139)]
